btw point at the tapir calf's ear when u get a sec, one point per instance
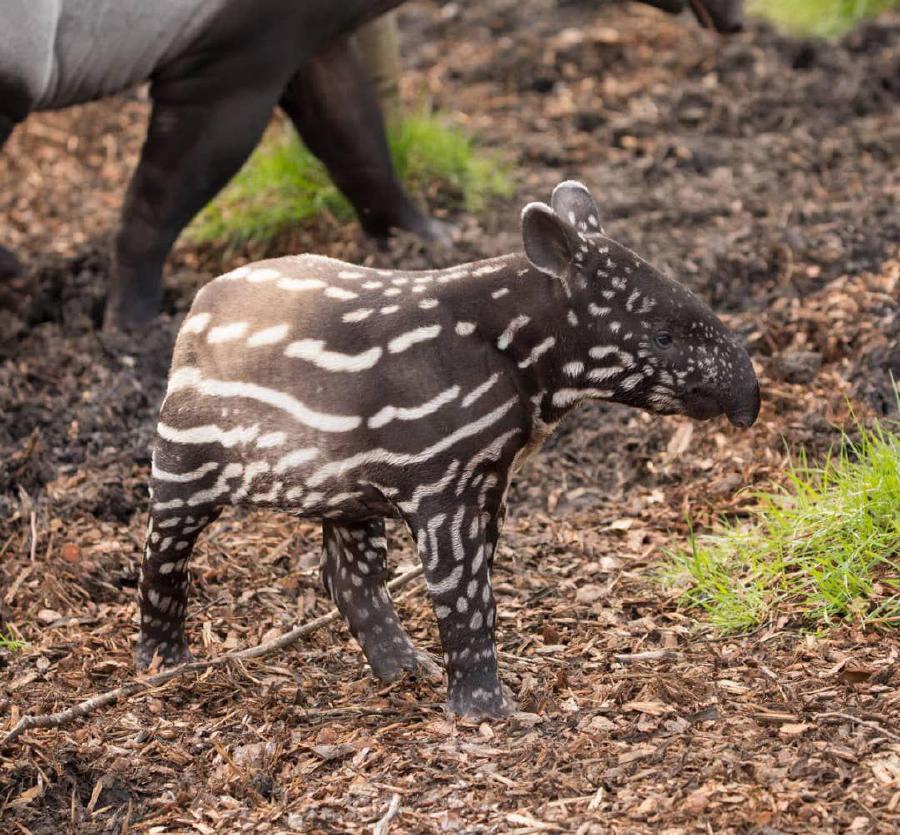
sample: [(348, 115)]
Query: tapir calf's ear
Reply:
[(572, 201), (550, 242)]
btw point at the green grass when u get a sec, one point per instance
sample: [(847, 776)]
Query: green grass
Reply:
[(819, 18), (9, 642), (283, 184), (825, 549)]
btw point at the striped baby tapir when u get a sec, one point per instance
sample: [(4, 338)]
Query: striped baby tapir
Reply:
[(352, 394)]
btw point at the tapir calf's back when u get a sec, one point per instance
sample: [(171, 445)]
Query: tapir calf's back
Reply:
[(330, 388)]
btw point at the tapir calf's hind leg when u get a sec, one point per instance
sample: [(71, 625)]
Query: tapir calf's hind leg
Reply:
[(164, 581), (354, 571)]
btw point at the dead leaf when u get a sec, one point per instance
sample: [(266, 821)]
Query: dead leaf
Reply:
[(680, 440), (30, 794), (794, 728), (589, 593), (697, 800), (333, 752), (734, 687), (651, 708)]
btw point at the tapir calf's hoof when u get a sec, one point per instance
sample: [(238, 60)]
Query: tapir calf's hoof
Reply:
[(170, 654), (390, 663), (481, 703)]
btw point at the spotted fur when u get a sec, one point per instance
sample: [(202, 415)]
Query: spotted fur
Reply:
[(353, 394)]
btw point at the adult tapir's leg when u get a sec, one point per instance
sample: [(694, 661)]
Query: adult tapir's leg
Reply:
[(354, 572), (334, 107), (9, 264), (202, 128)]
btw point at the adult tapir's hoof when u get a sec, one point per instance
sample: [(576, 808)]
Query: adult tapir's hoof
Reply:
[(10, 266), (131, 310), (423, 227), (473, 702), (170, 654), (438, 230)]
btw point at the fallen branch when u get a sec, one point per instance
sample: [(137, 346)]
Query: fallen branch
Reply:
[(648, 655), (848, 717), (56, 720)]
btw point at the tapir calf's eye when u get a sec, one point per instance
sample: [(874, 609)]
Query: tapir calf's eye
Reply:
[(663, 339)]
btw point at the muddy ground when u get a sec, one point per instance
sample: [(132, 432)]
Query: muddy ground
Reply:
[(762, 171)]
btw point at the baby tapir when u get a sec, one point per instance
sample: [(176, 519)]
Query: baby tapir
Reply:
[(353, 394)]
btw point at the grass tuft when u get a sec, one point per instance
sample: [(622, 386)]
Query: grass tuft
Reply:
[(823, 550), (283, 185), (820, 18), (8, 642)]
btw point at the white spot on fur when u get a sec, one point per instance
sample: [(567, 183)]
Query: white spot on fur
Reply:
[(295, 458), (314, 351), (473, 395), (182, 478), (410, 338), (538, 351), (566, 397), (505, 338), (298, 285), (390, 413), (357, 315), (226, 333), (268, 336), (207, 434), (271, 439), (196, 323)]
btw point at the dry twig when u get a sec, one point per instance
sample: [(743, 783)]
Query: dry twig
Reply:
[(382, 827), (56, 720), (848, 717), (648, 655)]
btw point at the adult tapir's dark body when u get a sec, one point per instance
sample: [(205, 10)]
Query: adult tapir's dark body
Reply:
[(217, 69)]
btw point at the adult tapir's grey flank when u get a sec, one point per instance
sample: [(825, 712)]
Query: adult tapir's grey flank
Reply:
[(353, 394), (217, 69)]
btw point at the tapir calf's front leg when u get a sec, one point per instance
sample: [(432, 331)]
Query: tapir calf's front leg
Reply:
[(452, 546), (354, 571)]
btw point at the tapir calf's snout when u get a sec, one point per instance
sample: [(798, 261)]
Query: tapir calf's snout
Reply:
[(744, 410)]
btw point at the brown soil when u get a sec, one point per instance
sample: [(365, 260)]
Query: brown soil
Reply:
[(762, 171)]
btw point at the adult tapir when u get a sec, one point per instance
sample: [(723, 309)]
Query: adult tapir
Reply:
[(721, 15), (216, 68)]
